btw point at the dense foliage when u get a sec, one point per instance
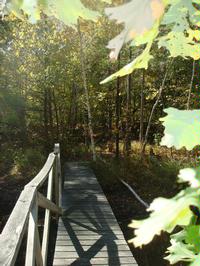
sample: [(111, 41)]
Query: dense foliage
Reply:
[(43, 98)]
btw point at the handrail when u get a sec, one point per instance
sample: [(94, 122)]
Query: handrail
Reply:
[(25, 214), (43, 174)]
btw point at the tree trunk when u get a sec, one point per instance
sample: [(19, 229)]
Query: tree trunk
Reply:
[(73, 109), (83, 64), (117, 100), (154, 108), (141, 136), (191, 85), (56, 116), (50, 113), (127, 141), (46, 128)]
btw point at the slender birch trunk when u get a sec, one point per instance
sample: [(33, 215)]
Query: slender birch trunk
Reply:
[(141, 136), (127, 141), (117, 102), (83, 70), (191, 85), (154, 108)]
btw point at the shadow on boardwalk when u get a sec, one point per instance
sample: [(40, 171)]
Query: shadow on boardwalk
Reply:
[(99, 226), (88, 232)]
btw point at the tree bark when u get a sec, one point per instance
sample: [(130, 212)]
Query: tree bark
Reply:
[(141, 136), (56, 116), (50, 113), (127, 141), (191, 85), (154, 108), (46, 127), (117, 101), (83, 64)]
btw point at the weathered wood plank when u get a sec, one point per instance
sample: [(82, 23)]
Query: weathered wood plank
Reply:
[(100, 254), (47, 204), (97, 261), (90, 242), (91, 237), (123, 247), (88, 232), (13, 232), (87, 226)]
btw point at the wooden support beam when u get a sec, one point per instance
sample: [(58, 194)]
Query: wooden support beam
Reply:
[(31, 241), (45, 239), (38, 253), (47, 204), (58, 174)]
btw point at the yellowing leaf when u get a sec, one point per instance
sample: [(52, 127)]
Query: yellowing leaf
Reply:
[(183, 39), (138, 17), (179, 45), (140, 62)]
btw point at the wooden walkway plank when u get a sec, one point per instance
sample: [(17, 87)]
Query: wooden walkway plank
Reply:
[(88, 232)]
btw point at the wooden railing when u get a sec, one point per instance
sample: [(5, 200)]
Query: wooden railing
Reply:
[(24, 216)]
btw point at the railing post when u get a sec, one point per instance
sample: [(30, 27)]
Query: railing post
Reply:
[(31, 241), (45, 239), (58, 177)]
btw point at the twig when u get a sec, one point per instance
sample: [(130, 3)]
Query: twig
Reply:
[(135, 194), (191, 85)]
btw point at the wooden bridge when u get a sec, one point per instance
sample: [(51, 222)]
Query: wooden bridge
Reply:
[(88, 232)]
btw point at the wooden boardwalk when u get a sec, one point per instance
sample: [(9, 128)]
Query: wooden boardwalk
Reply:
[(88, 232)]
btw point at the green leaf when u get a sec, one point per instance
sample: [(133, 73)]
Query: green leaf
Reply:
[(178, 251), (182, 128), (140, 17), (185, 245), (64, 10), (30, 8), (182, 40), (140, 62), (69, 11), (193, 236), (179, 44), (165, 215)]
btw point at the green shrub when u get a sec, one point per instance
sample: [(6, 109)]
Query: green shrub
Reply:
[(29, 160)]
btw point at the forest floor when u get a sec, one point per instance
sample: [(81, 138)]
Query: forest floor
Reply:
[(152, 177)]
